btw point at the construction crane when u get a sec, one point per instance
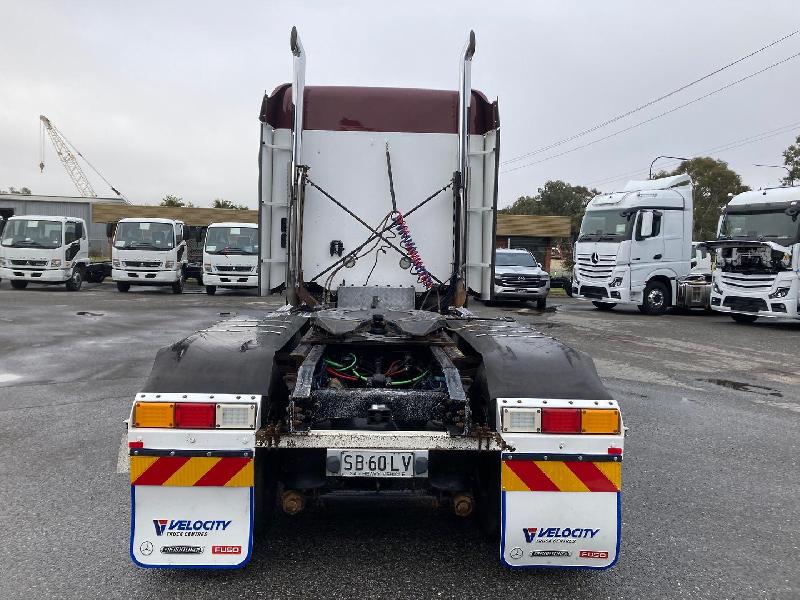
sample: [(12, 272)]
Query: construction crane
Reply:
[(67, 153)]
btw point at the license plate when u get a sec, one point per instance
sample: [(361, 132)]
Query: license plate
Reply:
[(368, 463)]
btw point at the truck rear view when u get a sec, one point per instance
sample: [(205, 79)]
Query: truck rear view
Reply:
[(377, 218)]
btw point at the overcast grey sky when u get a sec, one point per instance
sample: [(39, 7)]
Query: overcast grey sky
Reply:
[(163, 97)]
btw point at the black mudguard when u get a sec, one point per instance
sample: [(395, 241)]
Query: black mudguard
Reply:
[(520, 362), (231, 357)]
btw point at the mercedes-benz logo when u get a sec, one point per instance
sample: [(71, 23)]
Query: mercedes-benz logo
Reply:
[(516, 553), (146, 548), (595, 258)]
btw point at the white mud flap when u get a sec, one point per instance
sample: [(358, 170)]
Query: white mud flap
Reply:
[(192, 511), (560, 511)]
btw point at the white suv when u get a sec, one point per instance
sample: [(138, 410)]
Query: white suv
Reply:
[(518, 276)]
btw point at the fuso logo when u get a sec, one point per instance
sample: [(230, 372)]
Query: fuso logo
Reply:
[(592, 554), (226, 549)]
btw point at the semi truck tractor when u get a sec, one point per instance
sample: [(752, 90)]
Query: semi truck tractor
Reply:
[(44, 249), (149, 252), (375, 377), (636, 245), (230, 256), (756, 254)]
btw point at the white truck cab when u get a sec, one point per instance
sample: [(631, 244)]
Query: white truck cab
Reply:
[(230, 256), (635, 245), (44, 249), (149, 252), (757, 270)]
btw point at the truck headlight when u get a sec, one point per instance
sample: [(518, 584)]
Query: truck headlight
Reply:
[(115, 263), (3, 262), (616, 282), (169, 264), (781, 292), (56, 262), (786, 261), (207, 267), (716, 289)]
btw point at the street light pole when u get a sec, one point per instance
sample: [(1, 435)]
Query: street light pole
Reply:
[(788, 171), (664, 156)]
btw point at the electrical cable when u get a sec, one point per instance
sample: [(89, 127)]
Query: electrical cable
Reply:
[(733, 145), (647, 104), (651, 119)]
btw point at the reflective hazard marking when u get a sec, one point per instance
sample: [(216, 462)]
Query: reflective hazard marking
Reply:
[(192, 471), (561, 476)]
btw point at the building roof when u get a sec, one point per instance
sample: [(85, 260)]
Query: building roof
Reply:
[(343, 108), (111, 213), (533, 225), (40, 198)]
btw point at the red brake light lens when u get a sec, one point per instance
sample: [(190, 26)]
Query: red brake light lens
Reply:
[(561, 420), (195, 415)]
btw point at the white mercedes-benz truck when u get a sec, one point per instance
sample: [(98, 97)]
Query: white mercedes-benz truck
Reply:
[(44, 249), (149, 252), (636, 245), (757, 257), (230, 256)]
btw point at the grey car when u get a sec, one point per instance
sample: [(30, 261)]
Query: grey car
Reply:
[(518, 276)]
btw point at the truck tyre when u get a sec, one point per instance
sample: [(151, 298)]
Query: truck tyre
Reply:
[(123, 286), (656, 298), (75, 282), (568, 289), (177, 287), (604, 306), (19, 285), (740, 318), (211, 290), (541, 304)]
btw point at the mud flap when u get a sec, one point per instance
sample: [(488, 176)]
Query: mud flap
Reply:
[(191, 512), (560, 513)]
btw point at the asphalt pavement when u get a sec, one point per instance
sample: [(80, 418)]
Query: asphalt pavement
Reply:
[(711, 481)]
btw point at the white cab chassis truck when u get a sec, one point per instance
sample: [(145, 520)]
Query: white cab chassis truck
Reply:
[(44, 249), (149, 252), (375, 377), (636, 245), (757, 256), (230, 256)]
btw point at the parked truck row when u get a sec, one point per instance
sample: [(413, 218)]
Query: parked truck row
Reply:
[(145, 252)]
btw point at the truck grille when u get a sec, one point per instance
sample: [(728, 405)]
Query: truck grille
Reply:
[(602, 269), (591, 291), (745, 304), (514, 280), (739, 281), (144, 264), (230, 269), (29, 263)]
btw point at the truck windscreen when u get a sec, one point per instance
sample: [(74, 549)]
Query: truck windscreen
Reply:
[(773, 225), (232, 240), (23, 233), (606, 226), (144, 236)]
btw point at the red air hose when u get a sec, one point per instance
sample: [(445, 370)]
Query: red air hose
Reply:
[(407, 243)]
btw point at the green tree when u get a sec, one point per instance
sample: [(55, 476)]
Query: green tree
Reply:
[(220, 203), (556, 198), (713, 183), (791, 158), (170, 200)]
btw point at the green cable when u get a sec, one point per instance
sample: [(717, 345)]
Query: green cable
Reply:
[(339, 366), (414, 380)]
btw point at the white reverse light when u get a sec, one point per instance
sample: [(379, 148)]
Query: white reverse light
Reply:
[(527, 420), (236, 416)]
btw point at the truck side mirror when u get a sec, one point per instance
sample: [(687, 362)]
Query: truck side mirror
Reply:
[(646, 224)]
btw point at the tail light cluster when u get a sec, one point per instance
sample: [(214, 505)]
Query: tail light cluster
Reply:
[(194, 415), (561, 420)]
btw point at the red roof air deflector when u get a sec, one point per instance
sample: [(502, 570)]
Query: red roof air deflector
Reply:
[(411, 110)]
